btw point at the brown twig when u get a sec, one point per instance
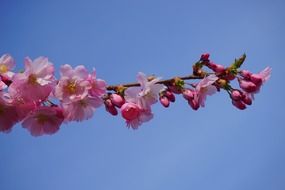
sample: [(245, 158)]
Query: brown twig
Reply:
[(166, 82)]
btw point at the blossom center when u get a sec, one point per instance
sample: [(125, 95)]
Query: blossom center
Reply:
[(71, 87), (3, 69), (32, 79)]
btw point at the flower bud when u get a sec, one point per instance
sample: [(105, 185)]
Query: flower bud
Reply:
[(169, 94), (247, 99), (246, 74), (248, 86), (236, 95), (194, 104), (188, 94), (164, 101), (216, 67), (117, 100), (256, 79), (130, 111), (205, 57), (109, 106), (239, 104), (219, 68)]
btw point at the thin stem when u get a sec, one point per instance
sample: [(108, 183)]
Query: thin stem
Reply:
[(166, 82)]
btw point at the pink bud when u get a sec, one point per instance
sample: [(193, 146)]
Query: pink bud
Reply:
[(247, 99), (205, 57), (117, 100), (188, 94), (239, 104), (130, 111), (164, 101), (216, 67), (194, 104), (256, 79), (248, 86), (219, 68), (236, 95), (170, 95), (110, 107), (246, 74)]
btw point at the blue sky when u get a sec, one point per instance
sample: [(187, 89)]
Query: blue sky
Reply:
[(218, 147)]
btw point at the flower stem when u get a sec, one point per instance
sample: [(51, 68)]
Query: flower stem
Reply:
[(166, 82)]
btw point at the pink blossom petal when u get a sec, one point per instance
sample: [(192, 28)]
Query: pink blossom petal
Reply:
[(265, 74)]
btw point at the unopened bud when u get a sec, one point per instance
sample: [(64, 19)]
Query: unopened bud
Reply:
[(164, 101), (110, 107), (247, 99), (169, 94), (117, 100), (256, 79), (246, 74), (238, 104), (205, 57), (194, 104), (236, 95), (188, 94), (248, 86)]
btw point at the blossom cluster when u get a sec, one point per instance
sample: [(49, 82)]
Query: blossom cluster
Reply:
[(41, 103)]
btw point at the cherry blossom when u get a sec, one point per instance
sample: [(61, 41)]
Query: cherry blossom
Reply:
[(35, 98), (98, 86), (205, 87), (44, 120), (146, 94), (135, 115), (8, 113), (81, 109), (73, 84), (35, 83), (7, 63)]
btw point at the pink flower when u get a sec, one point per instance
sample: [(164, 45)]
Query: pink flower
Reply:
[(44, 120), (98, 86), (8, 113), (81, 109), (205, 87), (146, 94), (135, 115), (35, 83), (73, 84), (7, 63)]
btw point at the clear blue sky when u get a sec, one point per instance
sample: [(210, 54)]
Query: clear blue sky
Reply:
[(216, 148)]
